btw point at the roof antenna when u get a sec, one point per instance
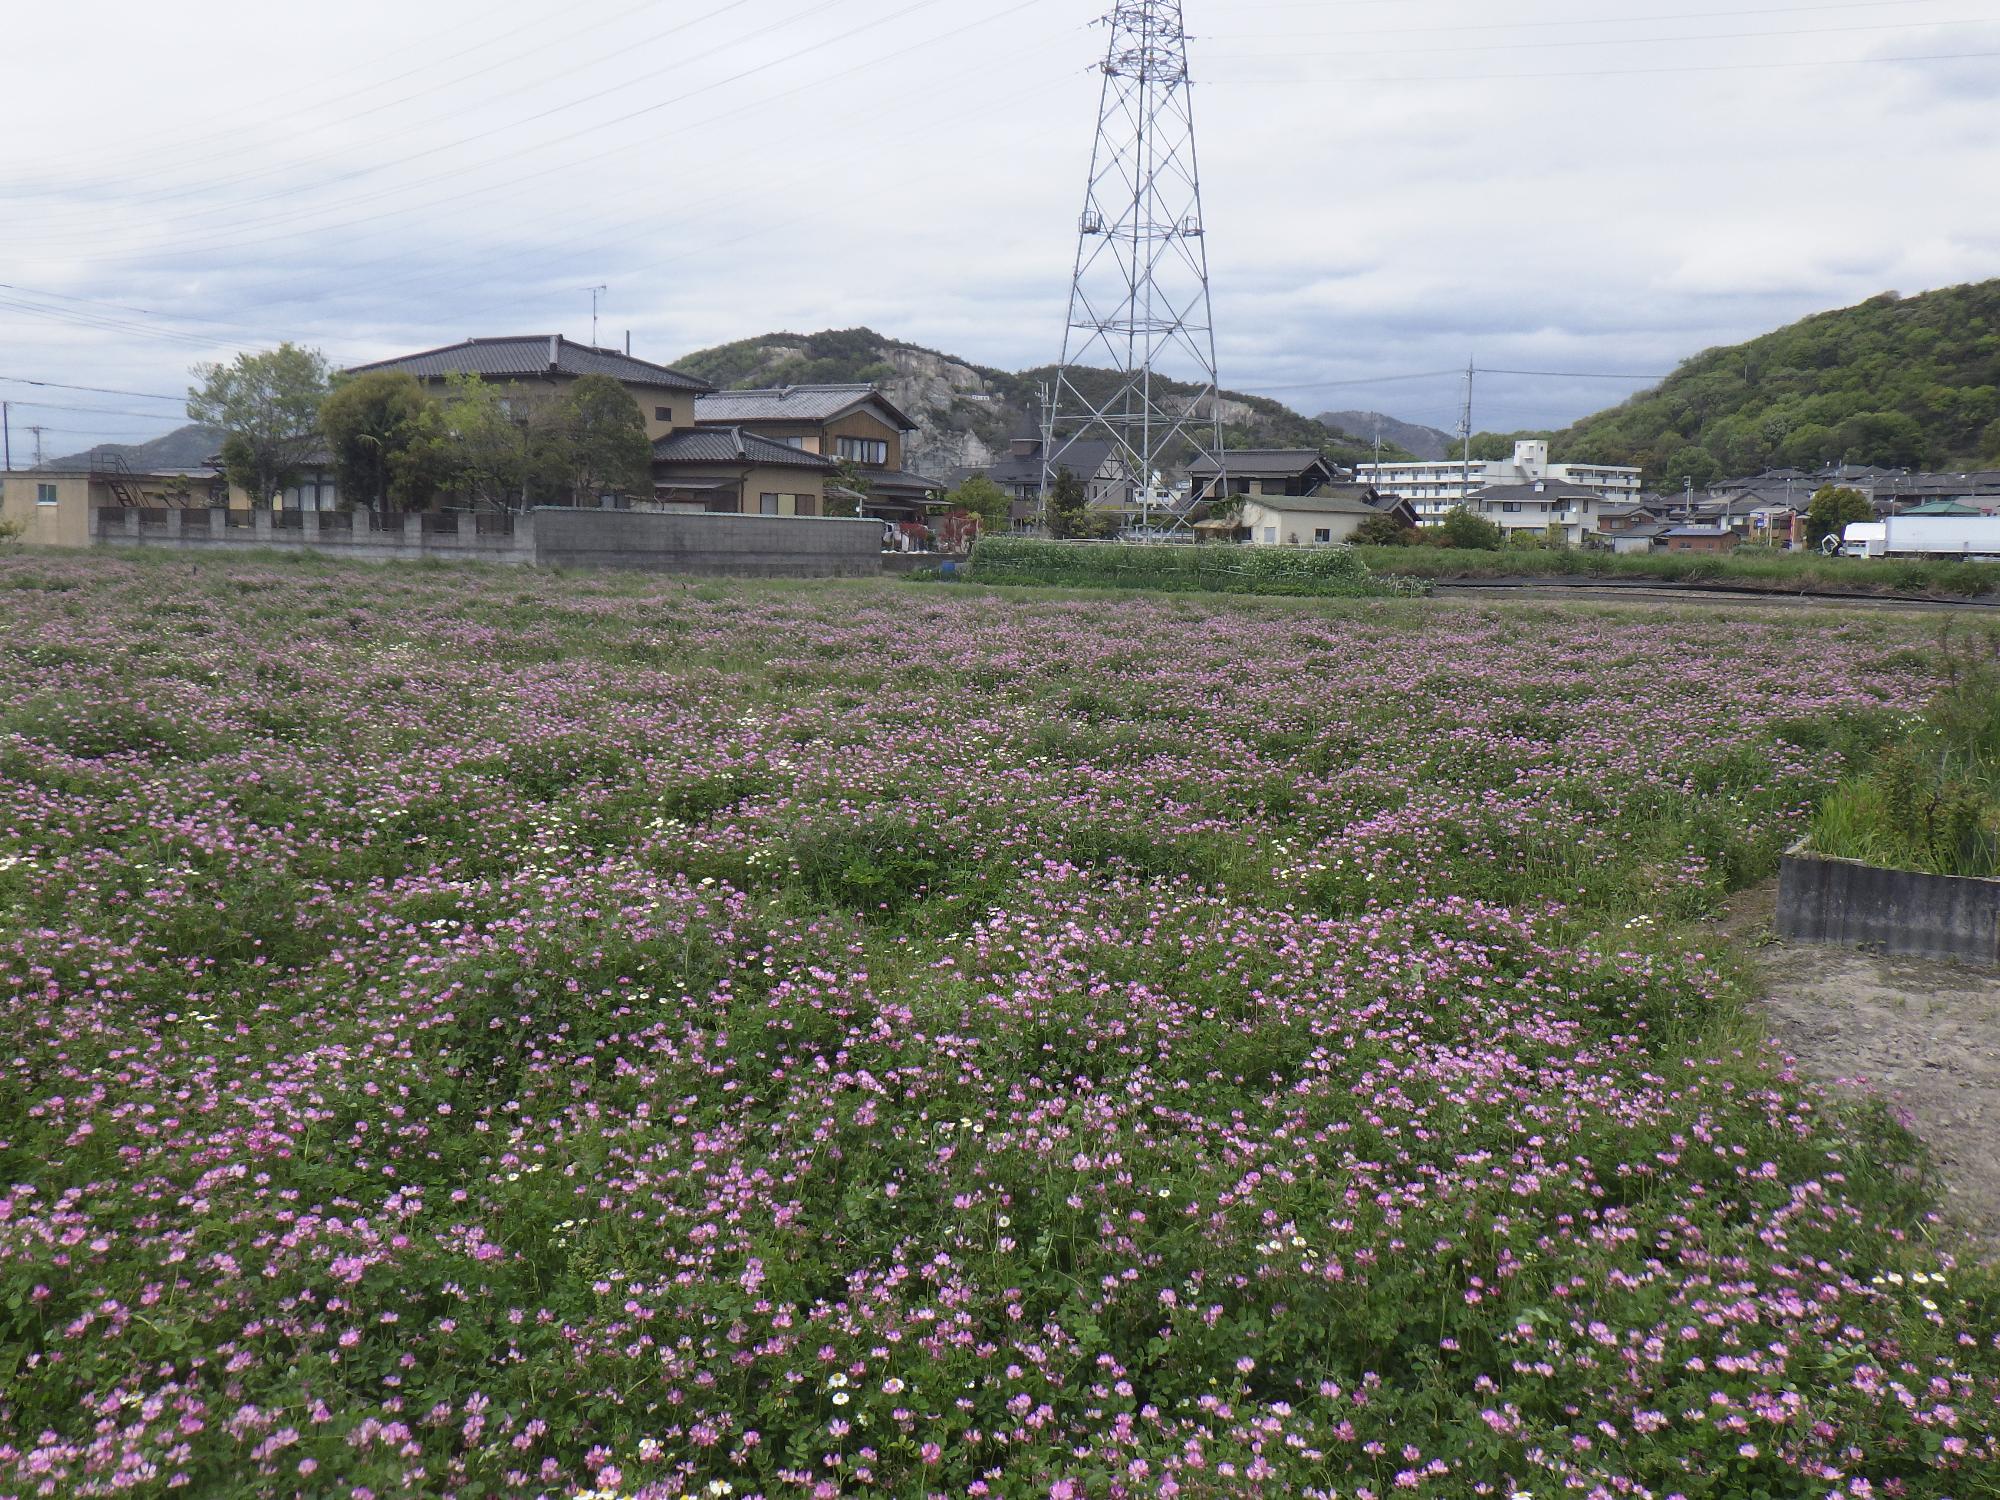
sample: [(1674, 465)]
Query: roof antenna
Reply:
[(595, 293)]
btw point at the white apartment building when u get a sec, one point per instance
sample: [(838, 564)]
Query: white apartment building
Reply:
[(1435, 488)]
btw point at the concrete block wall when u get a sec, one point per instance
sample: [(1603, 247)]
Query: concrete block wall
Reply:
[(1849, 904), (737, 546), (734, 546)]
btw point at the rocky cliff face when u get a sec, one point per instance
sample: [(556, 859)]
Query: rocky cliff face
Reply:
[(965, 413)]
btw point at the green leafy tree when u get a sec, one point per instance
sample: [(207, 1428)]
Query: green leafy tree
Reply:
[(472, 446), (1473, 533), (1382, 530), (1689, 462), (983, 498), (1068, 507), (592, 442), (847, 488), (267, 407), (376, 425), (1833, 510)]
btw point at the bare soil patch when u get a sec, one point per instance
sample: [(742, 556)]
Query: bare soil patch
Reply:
[(1925, 1036)]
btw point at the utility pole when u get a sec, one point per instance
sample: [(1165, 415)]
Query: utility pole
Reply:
[(7, 434), (1465, 495), (595, 293), (1139, 297)]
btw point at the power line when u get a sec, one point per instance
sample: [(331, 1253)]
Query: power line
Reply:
[(1569, 22), (95, 390), (1762, 67), (1629, 41)]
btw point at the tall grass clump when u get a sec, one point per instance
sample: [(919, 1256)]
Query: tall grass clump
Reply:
[(1929, 802), (1319, 572)]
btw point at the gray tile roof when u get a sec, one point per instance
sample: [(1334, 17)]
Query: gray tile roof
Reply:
[(1547, 489), (1271, 463), (732, 445), (1084, 459), (1331, 504), (796, 403), (533, 357)]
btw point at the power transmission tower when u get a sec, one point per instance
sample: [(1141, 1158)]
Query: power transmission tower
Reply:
[(1139, 309), (37, 431)]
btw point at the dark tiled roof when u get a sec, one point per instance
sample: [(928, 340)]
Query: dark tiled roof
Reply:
[(888, 482), (1548, 489), (1700, 531), (533, 357), (1265, 463), (796, 403), (1084, 459), (732, 445)]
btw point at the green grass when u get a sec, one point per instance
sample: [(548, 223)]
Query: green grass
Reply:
[(1750, 568), (1930, 801), (1319, 572)]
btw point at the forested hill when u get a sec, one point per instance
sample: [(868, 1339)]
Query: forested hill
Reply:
[(1898, 381), (965, 413)]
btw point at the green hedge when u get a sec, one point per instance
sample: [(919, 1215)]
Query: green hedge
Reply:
[(1320, 572), (1750, 566)]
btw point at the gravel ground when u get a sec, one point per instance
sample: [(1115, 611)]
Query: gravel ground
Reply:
[(1925, 1036)]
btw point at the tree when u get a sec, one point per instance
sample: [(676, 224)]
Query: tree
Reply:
[(1474, 533), (1381, 530), (986, 500), (472, 447), (592, 442), (376, 425), (1068, 507), (1833, 510), (267, 407), (851, 480), (1694, 463)]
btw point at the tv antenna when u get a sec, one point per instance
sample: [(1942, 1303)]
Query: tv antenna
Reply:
[(596, 292), (1139, 299)]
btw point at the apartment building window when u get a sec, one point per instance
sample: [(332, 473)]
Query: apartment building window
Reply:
[(663, 414), (45, 494), (767, 505), (864, 451)]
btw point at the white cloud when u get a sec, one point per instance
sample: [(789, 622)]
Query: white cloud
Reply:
[(1390, 187)]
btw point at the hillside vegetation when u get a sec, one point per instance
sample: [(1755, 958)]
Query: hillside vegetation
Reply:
[(1898, 381), (966, 413)]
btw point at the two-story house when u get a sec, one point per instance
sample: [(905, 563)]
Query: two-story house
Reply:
[(854, 425), (1547, 508), (1107, 489), (540, 367), (1261, 472)]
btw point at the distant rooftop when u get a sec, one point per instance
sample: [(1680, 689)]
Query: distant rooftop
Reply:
[(535, 357), (795, 403)]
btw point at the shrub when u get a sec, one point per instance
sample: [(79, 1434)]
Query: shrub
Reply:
[(1324, 572)]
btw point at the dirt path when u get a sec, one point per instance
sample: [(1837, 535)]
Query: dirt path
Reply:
[(1925, 1036)]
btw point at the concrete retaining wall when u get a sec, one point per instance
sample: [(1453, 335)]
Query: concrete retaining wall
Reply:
[(739, 546), (1850, 904)]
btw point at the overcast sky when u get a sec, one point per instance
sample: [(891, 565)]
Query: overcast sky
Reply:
[(1392, 185)]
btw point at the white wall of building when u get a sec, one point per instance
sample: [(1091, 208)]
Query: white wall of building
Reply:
[(1438, 487)]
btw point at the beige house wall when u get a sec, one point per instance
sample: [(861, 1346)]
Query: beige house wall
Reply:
[(64, 524), (1260, 515), (800, 492)]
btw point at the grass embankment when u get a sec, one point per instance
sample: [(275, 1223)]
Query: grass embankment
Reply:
[(1315, 572), (1776, 571), (1930, 801), (482, 1034)]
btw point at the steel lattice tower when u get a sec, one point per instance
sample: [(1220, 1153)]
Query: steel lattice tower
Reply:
[(1139, 302)]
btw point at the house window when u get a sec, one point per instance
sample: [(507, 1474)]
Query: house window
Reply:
[(1510, 506), (767, 505), (795, 441), (1270, 536), (1323, 537), (45, 494), (663, 414), (864, 451)]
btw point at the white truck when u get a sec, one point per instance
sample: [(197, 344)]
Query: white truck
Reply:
[(1975, 538)]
